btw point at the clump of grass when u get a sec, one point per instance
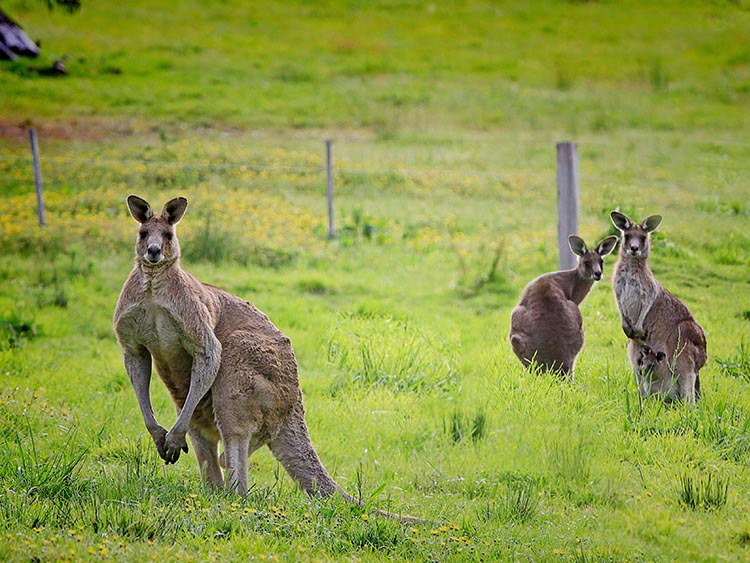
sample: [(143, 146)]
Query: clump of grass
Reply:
[(375, 533), (517, 502), (15, 328), (315, 286), (462, 426), (738, 365), (49, 476), (521, 500), (569, 459), (208, 243), (386, 352), (360, 227), (658, 76), (571, 463), (703, 493), (481, 268)]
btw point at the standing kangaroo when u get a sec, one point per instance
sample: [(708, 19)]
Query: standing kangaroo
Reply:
[(654, 318), (546, 326), (231, 373)]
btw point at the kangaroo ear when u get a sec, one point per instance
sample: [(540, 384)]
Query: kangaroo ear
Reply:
[(650, 223), (620, 220), (174, 209), (606, 245), (577, 245), (139, 208)]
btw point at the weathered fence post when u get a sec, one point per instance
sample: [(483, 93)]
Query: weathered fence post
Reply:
[(329, 175), (567, 201), (37, 176)]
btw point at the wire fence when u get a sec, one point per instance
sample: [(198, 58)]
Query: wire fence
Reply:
[(280, 194), (528, 156)]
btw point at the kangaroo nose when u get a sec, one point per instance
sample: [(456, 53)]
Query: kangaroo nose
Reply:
[(597, 276), (154, 250), (634, 248)]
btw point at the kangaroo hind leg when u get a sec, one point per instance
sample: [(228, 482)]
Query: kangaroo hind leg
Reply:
[(687, 376), (205, 444), (240, 437)]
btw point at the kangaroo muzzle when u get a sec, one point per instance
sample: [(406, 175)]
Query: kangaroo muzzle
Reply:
[(153, 253)]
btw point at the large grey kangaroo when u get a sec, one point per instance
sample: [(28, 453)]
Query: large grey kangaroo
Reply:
[(546, 326), (231, 373), (655, 319)]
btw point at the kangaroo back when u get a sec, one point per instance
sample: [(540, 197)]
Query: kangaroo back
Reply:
[(546, 327)]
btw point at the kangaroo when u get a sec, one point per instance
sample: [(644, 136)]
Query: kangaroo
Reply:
[(654, 318), (652, 371), (546, 326), (231, 373)]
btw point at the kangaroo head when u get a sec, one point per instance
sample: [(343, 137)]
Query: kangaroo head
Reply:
[(157, 240), (590, 262), (635, 237), (649, 359)]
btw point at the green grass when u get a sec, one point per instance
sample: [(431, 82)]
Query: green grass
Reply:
[(444, 120)]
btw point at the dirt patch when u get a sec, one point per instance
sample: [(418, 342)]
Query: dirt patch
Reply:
[(85, 130), (102, 129)]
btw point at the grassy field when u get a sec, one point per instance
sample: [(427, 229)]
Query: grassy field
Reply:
[(444, 119)]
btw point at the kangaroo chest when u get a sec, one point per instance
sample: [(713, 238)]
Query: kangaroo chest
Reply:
[(635, 293), (163, 335)]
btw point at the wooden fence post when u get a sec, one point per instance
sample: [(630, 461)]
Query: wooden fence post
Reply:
[(329, 175), (37, 176), (567, 201)]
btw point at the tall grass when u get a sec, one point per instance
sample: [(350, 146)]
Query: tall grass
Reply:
[(374, 350), (704, 492)]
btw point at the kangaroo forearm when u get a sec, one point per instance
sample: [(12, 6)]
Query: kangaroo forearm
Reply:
[(138, 368), (202, 377), (640, 322)]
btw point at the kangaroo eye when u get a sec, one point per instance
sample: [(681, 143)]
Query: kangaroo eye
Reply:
[(168, 236), (143, 234)]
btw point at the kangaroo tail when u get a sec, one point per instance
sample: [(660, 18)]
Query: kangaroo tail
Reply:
[(518, 344), (405, 518), (520, 347), (294, 450)]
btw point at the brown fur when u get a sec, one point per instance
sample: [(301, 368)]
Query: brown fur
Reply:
[(654, 318), (546, 326), (231, 373)]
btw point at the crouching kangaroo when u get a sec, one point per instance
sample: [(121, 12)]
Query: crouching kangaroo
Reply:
[(546, 326), (231, 373), (655, 319)]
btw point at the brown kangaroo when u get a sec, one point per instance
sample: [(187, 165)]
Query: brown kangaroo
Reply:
[(654, 318), (546, 326), (231, 373)]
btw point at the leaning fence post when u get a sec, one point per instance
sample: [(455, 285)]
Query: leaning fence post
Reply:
[(567, 201), (329, 174), (37, 176)]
